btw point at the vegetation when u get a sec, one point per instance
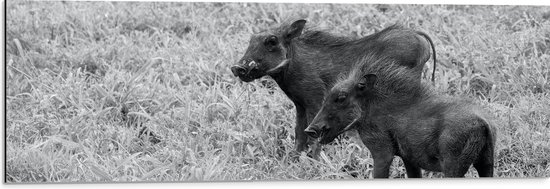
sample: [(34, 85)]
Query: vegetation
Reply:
[(83, 78)]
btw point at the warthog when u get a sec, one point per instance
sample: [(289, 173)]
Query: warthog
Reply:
[(306, 64), (395, 117)]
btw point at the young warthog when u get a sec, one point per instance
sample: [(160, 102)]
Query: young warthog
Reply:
[(306, 65), (396, 118)]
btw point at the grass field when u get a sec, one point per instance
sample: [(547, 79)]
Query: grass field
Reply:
[(83, 77)]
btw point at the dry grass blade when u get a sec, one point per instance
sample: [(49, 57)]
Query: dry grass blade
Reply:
[(128, 160), (22, 72), (100, 173), (19, 47), (327, 161), (140, 114), (154, 172), (140, 73)]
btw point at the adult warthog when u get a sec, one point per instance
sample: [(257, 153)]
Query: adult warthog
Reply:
[(396, 117)]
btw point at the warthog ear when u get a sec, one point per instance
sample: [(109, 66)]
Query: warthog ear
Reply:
[(295, 30), (367, 82)]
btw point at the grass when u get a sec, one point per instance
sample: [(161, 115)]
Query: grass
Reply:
[(83, 77)]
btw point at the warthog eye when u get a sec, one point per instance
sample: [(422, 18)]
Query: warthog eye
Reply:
[(340, 98), (271, 41)]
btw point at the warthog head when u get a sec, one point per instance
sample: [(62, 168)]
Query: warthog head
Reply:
[(340, 111), (267, 52)]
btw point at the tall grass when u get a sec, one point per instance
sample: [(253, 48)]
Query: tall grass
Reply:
[(83, 78)]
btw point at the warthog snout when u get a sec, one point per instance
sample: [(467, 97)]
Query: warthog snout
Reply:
[(248, 71), (315, 131), (238, 70)]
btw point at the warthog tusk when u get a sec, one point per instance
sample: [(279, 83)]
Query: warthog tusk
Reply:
[(276, 69), (252, 63), (349, 127)]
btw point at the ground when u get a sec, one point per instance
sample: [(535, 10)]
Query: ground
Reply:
[(84, 78)]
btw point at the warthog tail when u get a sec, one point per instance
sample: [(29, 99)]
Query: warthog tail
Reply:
[(433, 51)]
